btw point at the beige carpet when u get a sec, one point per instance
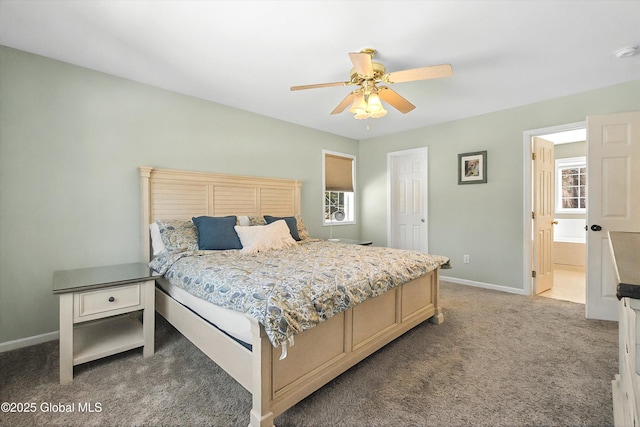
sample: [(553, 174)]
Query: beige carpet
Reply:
[(498, 360)]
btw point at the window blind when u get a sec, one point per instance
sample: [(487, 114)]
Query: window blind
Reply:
[(338, 173)]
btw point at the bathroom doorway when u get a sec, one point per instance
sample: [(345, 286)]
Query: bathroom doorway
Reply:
[(567, 253)]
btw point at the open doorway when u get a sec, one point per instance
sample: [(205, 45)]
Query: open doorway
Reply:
[(613, 202), (559, 261)]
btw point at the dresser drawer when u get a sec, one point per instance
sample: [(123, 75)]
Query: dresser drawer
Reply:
[(91, 305)]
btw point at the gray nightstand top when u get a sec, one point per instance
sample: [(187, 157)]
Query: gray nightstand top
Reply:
[(97, 277)]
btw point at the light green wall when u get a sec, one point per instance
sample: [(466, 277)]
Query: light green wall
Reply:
[(482, 220), (573, 149), (71, 140)]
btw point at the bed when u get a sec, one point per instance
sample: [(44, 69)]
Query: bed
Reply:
[(279, 365)]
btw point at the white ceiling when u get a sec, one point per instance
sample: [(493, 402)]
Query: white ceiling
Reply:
[(246, 54), (566, 137)]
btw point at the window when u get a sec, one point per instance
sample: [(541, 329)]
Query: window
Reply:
[(571, 185), (339, 188)]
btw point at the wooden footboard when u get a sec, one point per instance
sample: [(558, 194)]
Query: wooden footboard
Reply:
[(327, 350), (319, 354)]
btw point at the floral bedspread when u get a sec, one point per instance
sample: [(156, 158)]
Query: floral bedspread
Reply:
[(293, 289)]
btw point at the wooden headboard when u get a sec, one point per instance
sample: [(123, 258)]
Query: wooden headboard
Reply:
[(176, 194)]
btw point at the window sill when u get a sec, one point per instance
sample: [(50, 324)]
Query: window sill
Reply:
[(328, 224)]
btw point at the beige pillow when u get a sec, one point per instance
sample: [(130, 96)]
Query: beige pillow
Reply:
[(302, 229), (261, 238)]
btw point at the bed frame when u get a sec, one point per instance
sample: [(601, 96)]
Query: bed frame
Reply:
[(320, 354)]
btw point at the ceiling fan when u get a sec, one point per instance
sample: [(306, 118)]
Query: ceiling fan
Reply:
[(365, 100)]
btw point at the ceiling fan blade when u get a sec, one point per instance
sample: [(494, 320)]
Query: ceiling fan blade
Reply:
[(362, 63), (396, 101), (344, 104), (319, 85), (433, 72)]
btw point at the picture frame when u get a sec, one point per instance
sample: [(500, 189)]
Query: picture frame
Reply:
[(472, 168)]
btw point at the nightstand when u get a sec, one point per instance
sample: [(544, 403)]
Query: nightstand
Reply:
[(98, 313), (353, 242)]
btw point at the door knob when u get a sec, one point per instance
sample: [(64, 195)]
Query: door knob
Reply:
[(596, 227), (554, 222)]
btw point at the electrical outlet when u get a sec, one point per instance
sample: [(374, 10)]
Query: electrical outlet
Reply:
[(466, 259)]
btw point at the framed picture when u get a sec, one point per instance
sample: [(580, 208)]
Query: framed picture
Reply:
[(472, 168)]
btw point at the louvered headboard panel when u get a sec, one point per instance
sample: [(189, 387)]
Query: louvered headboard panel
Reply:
[(179, 201), (175, 194)]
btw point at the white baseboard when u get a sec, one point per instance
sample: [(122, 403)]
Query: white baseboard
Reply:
[(483, 285), (29, 341)]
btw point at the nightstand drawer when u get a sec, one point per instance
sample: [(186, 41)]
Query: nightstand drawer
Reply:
[(107, 302)]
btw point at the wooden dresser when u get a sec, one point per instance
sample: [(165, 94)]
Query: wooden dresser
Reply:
[(625, 247)]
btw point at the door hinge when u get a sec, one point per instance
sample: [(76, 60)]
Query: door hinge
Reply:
[(533, 156), (533, 215), (533, 274)]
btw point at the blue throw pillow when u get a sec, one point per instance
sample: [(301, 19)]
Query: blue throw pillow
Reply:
[(217, 233), (291, 222)]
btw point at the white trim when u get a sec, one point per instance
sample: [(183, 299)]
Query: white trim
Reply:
[(482, 285), (527, 280), (29, 341), (414, 151)]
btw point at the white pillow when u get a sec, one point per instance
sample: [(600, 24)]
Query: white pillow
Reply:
[(260, 238), (156, 239), (243, 220)]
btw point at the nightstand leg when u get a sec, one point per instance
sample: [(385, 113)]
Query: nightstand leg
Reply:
[(149, 318), (66, 338)]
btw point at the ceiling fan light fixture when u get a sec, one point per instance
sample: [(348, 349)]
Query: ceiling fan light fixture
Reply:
[(374, 104), (378, 114), (367, 106), (359, 104)]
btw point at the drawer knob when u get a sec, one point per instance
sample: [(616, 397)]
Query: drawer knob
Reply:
[(111, 299)]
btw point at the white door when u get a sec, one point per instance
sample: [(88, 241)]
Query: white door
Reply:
[(543, 209), (407, 228), (613, 202)]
